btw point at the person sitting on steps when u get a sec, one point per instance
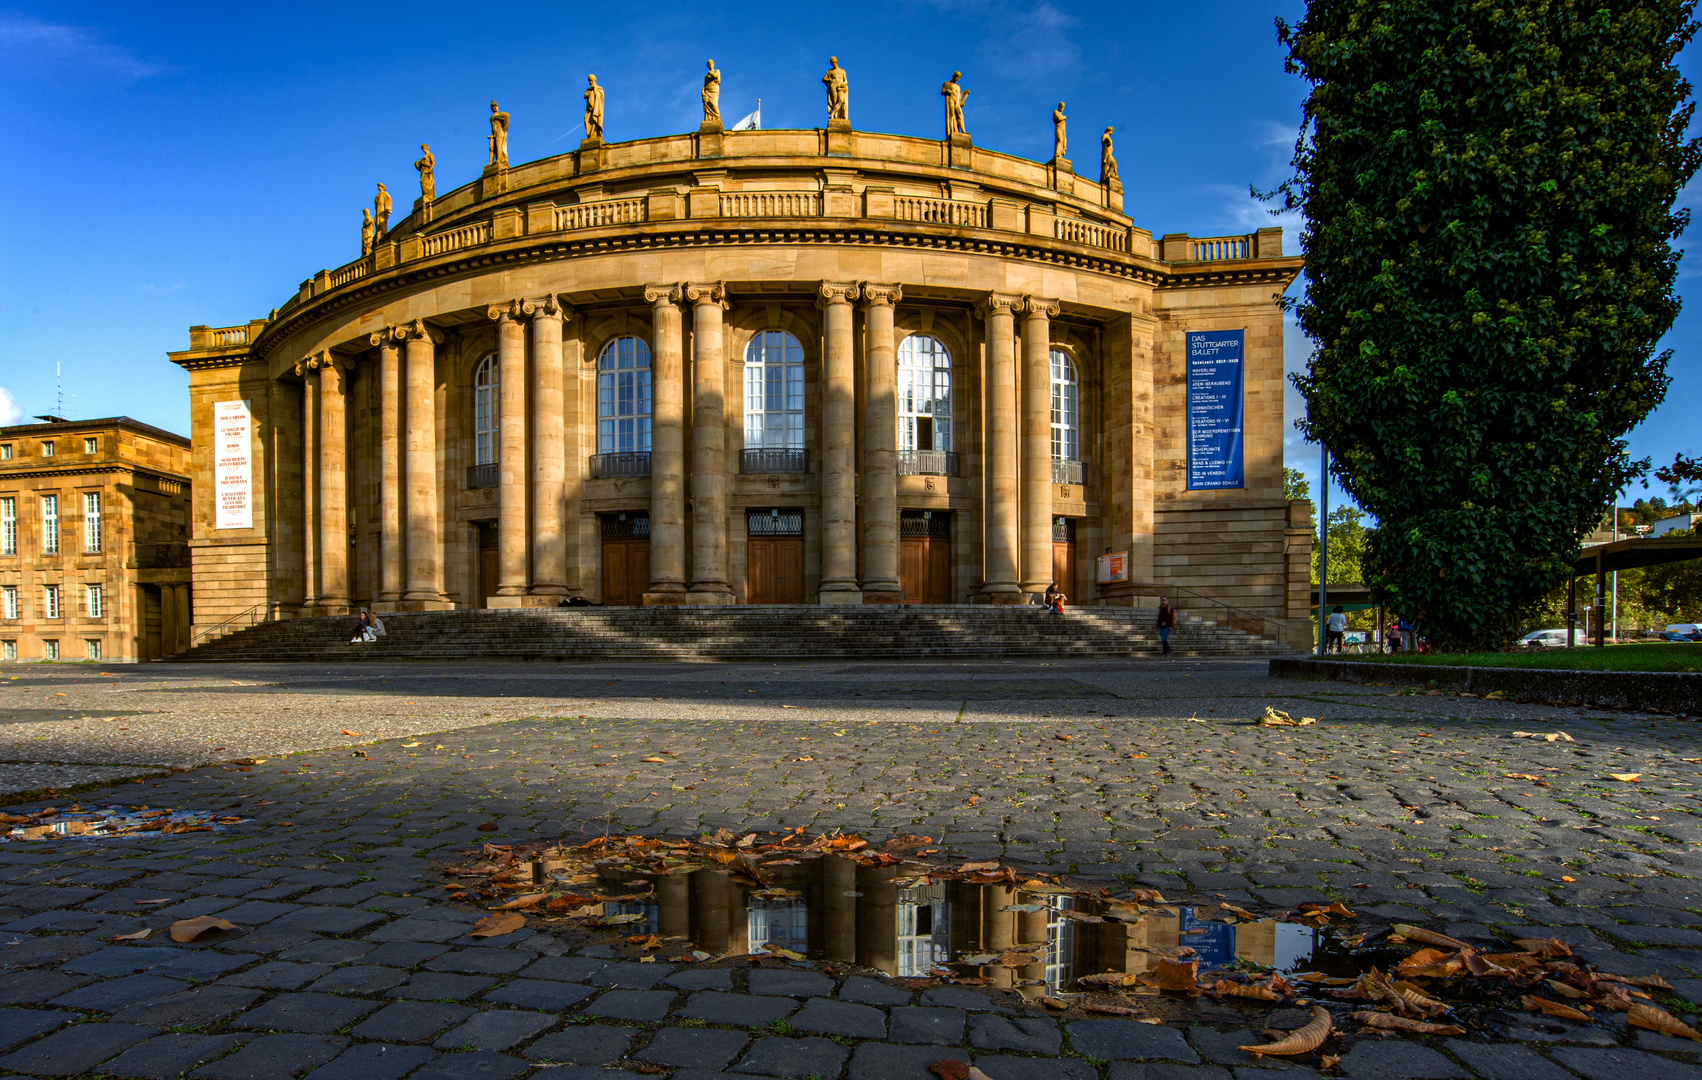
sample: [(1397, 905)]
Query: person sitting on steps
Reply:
[(1054, 599)]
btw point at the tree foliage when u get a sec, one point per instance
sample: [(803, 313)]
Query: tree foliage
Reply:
[(1488, 188), (1347, 546)]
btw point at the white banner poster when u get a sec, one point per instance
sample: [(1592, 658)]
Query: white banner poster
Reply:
[(233, 473)]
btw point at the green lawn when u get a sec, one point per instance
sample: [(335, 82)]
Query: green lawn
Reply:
[(1667, 656)]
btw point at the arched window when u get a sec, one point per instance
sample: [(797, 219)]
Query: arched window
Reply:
[(924, 394), (485, 406), (774, 392), (1066, 408), (623, 397)]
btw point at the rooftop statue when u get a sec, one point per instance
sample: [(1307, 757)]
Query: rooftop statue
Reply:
[(498, 137), (428, 179), (1107, 163), (955, 96), (366, 237), (838, 91), (712, 96), (1060, 138), (594, 111), (381, 206)]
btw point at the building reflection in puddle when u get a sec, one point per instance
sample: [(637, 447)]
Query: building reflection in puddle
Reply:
[(894, 919)]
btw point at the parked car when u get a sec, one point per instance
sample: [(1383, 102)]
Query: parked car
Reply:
[(1667, 635), (1687, 631), (1550, 639)]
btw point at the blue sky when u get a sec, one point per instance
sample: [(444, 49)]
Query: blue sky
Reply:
[(172, 164)]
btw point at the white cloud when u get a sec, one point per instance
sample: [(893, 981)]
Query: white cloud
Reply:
[(10, 411), (1031, 42), (32, 46)]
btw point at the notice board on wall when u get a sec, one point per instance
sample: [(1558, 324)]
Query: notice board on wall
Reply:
[(233, 472), (1216, 409)]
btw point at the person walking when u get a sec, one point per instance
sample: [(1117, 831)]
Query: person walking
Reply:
[(1166, 623), (1337, 629)]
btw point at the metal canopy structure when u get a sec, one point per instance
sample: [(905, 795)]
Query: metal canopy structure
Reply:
[(1628, 554)]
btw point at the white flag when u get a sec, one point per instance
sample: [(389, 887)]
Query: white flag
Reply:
[(753, 122)]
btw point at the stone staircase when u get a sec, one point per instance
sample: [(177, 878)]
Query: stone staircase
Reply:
[(750, 633)]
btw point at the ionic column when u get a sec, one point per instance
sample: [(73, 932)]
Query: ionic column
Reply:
[(839, 448), (309, 484), (880, 448), (1037, 443), (511, 455), (667, 449), (549, 465), (333, 486), (388, 341), (1001, 509), (708, 446), (419, 466)]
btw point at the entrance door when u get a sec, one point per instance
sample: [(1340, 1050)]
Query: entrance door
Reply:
[(1064, 555), (774, 557), (487, 562), (626, 557), (924, 556)]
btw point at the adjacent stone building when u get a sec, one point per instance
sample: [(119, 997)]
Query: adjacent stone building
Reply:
[(793, 366), (94, 541)]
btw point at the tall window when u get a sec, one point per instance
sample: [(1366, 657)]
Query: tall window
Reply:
[(91, 521), (623, 397), (50, 601), (1066, 408), (50, 524), (9, 601), (96, 601), (774, 392), (91, 446), (91, 648), (924, 394), (46, 449), (8, 650), (49, 649), (485, 406), (8, 526), (5, 451)]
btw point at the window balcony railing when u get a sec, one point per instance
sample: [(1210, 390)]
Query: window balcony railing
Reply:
[(483, 476), (1066, 472), (774, 459), (927, 463), (603, 466)]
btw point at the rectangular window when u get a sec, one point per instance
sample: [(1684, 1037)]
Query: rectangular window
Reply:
[(91, 446), (50, 601), (8, 526), (10, 649), (50, 524), (91, 521), (5, 451), (96, 601), (46, 449), (91, 648), (49, 649), (9, 601)]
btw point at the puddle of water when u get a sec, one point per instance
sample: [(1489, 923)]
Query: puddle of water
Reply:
[(105, 822)]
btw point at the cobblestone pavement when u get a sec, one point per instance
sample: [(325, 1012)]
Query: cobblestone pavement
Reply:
[(1417, 808)]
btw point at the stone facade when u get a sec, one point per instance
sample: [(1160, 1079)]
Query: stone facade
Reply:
[(440, 423), (94, 541)]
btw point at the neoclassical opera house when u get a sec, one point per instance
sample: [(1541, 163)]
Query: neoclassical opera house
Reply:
[(753, 367)]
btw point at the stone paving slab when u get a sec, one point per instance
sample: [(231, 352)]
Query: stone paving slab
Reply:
[(1411, 807)]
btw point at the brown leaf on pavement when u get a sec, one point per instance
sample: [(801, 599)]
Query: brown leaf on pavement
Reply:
[(1108, 1010), (1550, 1008), (949, 1069), (1390, 1022), (1544, 946), (1429, 937), (186, 930), (1110, 978), (529, 900), (346, 731), (1420, 960), (1303, 1041), (137, 936), (1648, 982), (497, 925), (1657, 1019), (1183, 975)]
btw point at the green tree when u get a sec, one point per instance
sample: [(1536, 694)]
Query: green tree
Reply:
[(1488, 188), (1347, 546), (1295, 486)]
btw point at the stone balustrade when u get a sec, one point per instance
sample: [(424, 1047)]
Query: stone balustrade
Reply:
[(594, 215), (940, 212), (478, 232), (770, 204)]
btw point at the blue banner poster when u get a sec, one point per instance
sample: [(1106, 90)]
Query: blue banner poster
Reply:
[(1215, 409)]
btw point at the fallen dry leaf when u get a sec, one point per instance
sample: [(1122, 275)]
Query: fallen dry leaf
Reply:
[(1329, 1061), (488, 826), (1429, 937), (1183, 975), (1545, 736), (186, 930), (1657, 1019), (1550, 1008), (1108, 1010), (497, 925), (1063, 738), (529, 900), (1520, 776), (1625, 777), (1056, 1004), (657, 760), (1302, 1041), (346, 731), (1650, 982), (1544, 946), (136, 936), (1391, 1022), (949, 1069), (1241, 911), (149, 903)]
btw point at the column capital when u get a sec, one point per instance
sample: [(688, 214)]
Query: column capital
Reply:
[(700, 293), (1036, 306), (508, 309), (311, 363), (836, 292), (874, 294), (657, 295), (996, 303), (419, 331), (389, 335), (549, 306)]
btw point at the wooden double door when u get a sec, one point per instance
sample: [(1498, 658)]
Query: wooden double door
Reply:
[(774, 557), (924, 556), (626, 558), (1064, 555)]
